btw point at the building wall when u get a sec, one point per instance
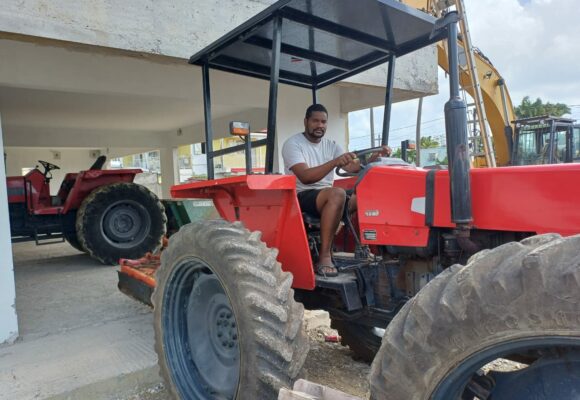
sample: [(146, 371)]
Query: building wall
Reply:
[(8, 321), (174, 28)]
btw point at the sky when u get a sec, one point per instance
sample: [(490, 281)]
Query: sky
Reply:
[(535, 46)]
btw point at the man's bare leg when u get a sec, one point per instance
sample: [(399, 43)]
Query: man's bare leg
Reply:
[(330, 205), (352, 206)]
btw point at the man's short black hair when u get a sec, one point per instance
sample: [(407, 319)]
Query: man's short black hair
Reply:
[(315, 108)]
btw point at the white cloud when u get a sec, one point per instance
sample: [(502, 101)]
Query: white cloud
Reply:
[(535, 46)]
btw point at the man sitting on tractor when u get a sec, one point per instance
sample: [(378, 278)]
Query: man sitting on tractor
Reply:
[(312, 158)]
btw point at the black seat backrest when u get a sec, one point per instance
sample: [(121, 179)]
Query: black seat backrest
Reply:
[(99, 163)]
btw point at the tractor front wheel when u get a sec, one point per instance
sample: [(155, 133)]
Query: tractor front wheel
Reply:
[(226, 323), (121, 220), (519, 301)]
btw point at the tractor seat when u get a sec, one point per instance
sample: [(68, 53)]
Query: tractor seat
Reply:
[(55, 201), (99, 163), (311, 220)]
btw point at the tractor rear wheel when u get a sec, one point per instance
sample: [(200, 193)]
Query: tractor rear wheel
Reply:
[(364, 341), (121, 220), (226, 323), (518, 301)]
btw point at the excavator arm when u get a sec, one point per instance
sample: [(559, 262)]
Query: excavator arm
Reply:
[(499, 112), (496, 99)]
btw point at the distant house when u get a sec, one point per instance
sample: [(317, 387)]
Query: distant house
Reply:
[(433, 156)]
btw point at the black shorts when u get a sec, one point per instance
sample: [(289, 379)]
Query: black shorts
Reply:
[(307, 201)]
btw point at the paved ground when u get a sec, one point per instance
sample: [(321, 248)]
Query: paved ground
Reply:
[(76, 329), (81, 338)]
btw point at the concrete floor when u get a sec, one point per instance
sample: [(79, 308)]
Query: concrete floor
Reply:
[(80, 337)]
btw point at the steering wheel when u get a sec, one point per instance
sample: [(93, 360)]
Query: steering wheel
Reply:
[(363, 161), (47, 168)]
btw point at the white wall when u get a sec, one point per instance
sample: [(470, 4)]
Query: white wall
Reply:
[(71, 160), (292, 104), (8, 321)]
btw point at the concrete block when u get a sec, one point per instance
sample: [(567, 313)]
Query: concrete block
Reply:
[(286, 394), (315, 319), (305, 390)]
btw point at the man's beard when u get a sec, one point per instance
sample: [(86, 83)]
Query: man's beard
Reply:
[(316, 133)]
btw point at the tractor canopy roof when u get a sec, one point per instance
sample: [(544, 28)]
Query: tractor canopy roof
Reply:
[(322, 41)]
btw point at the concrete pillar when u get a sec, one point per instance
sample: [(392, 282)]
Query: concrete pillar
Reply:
[(169, 170), (8, 320)]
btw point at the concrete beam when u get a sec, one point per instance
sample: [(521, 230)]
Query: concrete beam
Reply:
[(415, 76), (257, 117), (178, 29), (31, 136)]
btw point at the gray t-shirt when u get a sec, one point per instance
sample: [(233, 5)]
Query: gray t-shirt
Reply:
[(297, 149)]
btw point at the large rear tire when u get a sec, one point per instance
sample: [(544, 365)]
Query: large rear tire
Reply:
[(226, 323), (520, 298), (121, 220)]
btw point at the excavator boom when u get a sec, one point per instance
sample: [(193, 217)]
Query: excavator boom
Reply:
[(498, 105)]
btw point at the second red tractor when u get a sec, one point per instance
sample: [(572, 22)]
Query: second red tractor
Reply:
[(100, 212)]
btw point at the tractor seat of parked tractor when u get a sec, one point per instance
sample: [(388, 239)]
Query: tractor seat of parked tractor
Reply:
[(99, 163)]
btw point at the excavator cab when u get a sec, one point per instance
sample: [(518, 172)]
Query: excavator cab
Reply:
[(546, 140)]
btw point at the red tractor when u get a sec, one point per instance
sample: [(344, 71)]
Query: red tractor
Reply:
[(440, 271), (101, 212)]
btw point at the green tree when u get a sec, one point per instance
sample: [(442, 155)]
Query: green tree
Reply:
[(538, 108), (428, 142)]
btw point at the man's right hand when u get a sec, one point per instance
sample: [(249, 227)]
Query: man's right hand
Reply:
[(345, 159)]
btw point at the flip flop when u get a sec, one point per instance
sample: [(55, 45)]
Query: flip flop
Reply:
[(326, 270)]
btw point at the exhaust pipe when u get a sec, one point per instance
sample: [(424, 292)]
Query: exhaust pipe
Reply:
[(456, 131)]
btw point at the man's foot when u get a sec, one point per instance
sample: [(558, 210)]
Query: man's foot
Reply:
[(326, 270)]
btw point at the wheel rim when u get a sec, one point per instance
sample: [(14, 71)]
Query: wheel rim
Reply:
[(553, 375), (200, 333), (125, 223)]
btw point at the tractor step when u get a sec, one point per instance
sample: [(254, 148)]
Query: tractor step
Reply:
[(40, 239), (346, 284), (48, 238)]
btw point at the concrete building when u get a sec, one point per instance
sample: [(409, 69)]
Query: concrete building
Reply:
[(80, 79)]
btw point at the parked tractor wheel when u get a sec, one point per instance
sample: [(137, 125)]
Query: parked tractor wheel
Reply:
[(364, 341), (121, 220), (518, 300), (226, 323)]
